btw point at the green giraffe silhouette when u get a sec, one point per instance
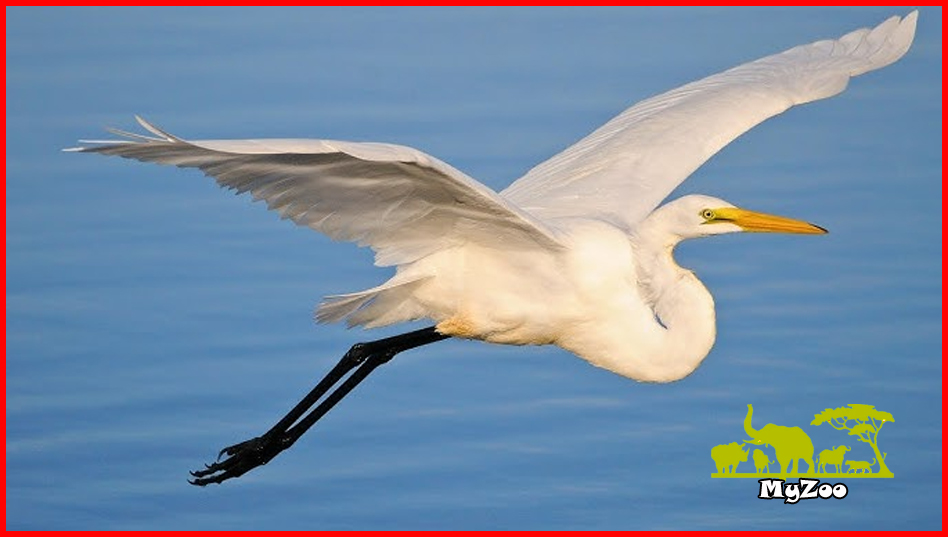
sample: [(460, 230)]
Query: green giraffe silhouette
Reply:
[(790, 443)]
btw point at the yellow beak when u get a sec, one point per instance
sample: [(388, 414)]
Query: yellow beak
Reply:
[(764, 223)]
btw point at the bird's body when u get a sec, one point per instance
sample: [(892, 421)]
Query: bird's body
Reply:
[(576, 253), (597, 296)]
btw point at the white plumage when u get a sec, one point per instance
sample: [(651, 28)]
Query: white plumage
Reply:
[(575, 252), (625, 168)]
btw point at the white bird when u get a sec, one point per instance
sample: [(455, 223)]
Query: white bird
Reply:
[(574, 253)]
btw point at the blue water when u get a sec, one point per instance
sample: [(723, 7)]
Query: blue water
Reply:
[(152, 318)]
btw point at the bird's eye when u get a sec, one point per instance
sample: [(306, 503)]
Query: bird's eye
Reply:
[(707, 214)]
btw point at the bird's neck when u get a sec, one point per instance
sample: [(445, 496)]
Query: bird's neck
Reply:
[(684, 326)]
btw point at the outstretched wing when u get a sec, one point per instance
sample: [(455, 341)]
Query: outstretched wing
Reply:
[(624, 169), (402, 203)]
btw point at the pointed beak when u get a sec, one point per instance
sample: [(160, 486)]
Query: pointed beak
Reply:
[(766, 223)]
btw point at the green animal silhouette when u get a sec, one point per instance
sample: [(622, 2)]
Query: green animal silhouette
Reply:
[(761, 462), (833, 457), (860, 466), (862, 421), (791, 444), (728, 456)]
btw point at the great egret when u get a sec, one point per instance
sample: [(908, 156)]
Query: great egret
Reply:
[(574, 253)]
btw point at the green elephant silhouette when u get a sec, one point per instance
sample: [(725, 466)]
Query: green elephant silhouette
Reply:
[(790, 443)]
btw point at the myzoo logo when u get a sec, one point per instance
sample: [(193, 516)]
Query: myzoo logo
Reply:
[(781, 448)]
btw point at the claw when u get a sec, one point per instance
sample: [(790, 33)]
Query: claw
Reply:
[(241, 458), (358, 363)]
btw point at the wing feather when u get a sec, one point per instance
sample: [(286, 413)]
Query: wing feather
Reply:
[(624, 169), (402, 203)]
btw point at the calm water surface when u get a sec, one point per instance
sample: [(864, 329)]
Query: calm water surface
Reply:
[(152, 319)]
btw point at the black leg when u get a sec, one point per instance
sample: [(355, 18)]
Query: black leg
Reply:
[(362, 357)]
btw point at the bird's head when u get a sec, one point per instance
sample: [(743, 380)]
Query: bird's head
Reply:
[(695, 216)]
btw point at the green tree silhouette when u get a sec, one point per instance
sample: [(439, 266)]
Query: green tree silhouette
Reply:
[(870, 421)]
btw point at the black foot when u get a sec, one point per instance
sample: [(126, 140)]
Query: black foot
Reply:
[(361, 360), (240, 459)]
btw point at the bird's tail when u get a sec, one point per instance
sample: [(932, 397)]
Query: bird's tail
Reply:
[(386, 304)]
